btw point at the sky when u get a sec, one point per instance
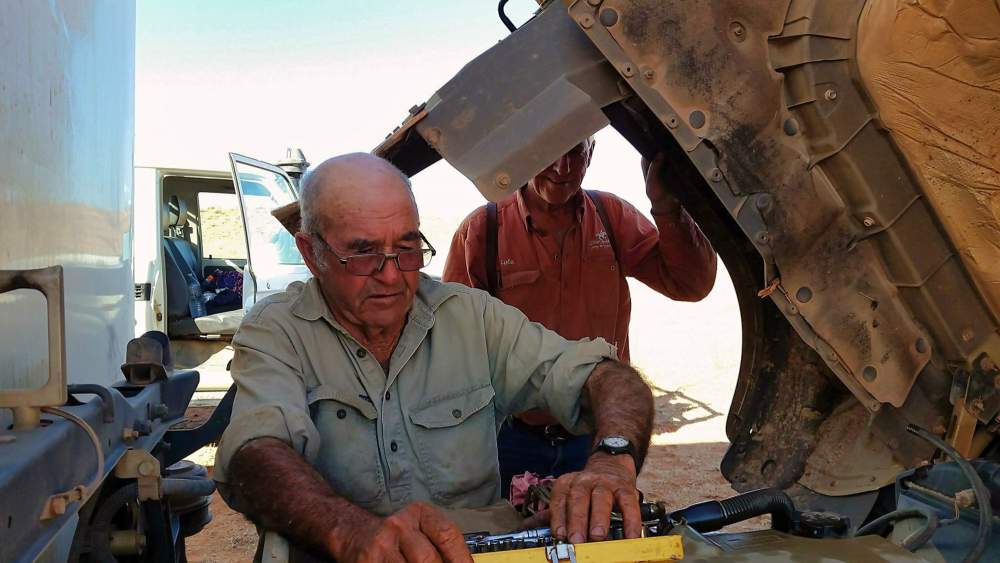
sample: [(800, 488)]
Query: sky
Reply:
[(331, 77)]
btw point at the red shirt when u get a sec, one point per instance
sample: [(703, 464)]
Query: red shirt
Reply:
[(579, 290)]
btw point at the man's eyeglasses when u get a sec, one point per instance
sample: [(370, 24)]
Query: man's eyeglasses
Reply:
[(368, 264)]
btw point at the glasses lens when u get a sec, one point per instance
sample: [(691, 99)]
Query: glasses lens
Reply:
[(364, 264), (410, 260)]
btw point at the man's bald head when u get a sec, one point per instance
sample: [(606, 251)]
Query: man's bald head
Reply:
[(343, 182), (353, 206)]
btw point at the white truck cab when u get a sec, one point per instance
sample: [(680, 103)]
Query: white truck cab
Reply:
[(203, 225)]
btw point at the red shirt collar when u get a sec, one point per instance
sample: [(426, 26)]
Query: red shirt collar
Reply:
[(522, 207)]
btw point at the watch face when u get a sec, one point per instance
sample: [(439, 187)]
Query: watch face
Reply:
[(615, 442)]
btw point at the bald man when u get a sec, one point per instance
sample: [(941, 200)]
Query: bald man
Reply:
[(369, 397)]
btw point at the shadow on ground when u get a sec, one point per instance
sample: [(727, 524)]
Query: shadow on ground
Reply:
[(674, 410)]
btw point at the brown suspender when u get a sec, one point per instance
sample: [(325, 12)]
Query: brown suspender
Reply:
[(604, 221), (492, 272), (492, 236)]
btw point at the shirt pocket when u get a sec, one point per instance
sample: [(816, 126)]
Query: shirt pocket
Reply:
[(455, 441), (348, 452), (518, 286)]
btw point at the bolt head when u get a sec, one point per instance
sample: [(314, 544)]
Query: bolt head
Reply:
[(968, 335), (763, 201), (869, 222), (609, 17), (830, 94), (503, 180), (738, 31), (587, 21)]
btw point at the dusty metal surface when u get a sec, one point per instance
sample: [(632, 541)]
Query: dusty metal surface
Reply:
[(52, 390), (856, 249), (477, 119), (933, 73), (778, 153), (730, 101)]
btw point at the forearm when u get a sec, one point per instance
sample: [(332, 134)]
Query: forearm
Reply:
[(287, 495), (622, 405), (687, 263)]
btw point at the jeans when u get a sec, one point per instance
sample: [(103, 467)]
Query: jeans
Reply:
[(523, 449)]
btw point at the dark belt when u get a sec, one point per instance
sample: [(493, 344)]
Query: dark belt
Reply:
[(554, 433)]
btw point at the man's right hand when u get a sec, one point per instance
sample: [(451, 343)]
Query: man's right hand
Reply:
[(417, 533)]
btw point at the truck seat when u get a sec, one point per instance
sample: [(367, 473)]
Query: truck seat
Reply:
[(180, 259)]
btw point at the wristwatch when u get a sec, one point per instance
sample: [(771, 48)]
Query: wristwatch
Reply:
[(617, 445)]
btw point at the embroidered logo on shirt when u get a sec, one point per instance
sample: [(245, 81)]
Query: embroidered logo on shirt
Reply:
[(600, 240), (507, 262)]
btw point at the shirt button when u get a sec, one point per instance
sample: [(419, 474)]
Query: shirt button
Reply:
[(387, 396), (456, 413), (341, 414), (361, 353), (393, 446)]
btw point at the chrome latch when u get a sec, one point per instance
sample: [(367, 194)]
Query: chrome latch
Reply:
[(561, 552)]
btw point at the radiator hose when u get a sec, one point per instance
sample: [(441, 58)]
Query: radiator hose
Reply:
[(715, 514)]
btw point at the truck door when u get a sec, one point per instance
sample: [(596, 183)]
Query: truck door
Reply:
[(273, 261)]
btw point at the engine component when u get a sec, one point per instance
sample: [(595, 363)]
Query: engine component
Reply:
[(942, 488), (715, 514), (915, 540), (821, 525), (982, 494)]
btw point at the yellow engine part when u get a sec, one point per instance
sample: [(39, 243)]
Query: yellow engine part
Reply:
[(663, 548)]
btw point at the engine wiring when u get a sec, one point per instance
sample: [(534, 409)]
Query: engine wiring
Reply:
[(982, 493)]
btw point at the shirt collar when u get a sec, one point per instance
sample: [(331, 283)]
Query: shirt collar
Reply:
[(522, 207), (311, 305)]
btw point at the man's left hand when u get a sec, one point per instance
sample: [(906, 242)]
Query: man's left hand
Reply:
[(656, 191), (581, 503)]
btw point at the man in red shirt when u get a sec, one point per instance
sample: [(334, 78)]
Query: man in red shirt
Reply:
[(561, 257)]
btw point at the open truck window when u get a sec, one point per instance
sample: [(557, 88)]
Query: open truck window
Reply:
[(221, 227)]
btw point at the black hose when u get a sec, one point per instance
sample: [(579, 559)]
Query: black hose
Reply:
[(503, 16), (716, 514), (915, 540), (982, 493)]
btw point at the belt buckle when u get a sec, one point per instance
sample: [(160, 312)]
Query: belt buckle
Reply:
[(553, 435)]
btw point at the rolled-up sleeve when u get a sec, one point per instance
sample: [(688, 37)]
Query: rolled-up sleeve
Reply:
[(534, 367), (270, 393)]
